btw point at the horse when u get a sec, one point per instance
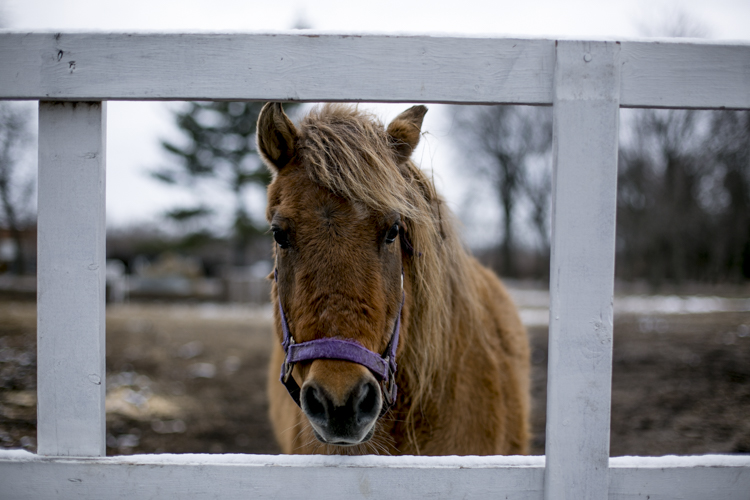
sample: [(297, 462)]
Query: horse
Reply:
[(390, 337)]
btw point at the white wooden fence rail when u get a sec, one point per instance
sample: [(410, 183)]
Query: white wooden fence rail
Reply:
[(73, 75)]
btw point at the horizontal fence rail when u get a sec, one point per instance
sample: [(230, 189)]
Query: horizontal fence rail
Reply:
[(346, 67), (587, 82), (191, 477)]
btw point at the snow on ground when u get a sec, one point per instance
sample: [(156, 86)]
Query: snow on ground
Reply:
[(534, 305)]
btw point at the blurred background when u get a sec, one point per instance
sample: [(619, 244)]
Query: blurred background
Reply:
[(188, 252)]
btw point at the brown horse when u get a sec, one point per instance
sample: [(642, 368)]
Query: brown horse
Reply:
[(368, 264)]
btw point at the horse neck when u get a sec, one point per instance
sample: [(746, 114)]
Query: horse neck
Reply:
[(435, 319)]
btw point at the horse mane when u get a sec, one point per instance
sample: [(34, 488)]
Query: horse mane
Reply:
[(348, 151)]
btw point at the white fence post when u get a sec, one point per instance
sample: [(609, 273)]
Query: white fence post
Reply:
[(71, 279), (586, 115)]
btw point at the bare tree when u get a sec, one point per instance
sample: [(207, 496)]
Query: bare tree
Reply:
[(729, 146), (684, 189), (503, 144), (683, 182), (538, 190), (17, 184), (660, 222)]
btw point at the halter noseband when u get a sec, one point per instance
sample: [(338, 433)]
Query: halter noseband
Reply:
[(383, 366)]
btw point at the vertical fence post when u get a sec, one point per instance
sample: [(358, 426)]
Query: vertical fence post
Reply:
[(585, 140), (71, 279)]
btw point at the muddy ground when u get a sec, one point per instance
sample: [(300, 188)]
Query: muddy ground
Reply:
[(191, 378)]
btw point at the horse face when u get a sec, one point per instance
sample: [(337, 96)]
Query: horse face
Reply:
[(339, 266), (339, 275)]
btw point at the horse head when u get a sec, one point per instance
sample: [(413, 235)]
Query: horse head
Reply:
[(336, 209)]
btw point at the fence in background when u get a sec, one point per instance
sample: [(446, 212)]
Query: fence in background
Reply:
[(73, 75)]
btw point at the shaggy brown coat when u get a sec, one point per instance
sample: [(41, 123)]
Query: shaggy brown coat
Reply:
[(340, 180)]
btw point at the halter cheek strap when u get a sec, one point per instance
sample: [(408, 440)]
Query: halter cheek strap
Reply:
[(383, 366)]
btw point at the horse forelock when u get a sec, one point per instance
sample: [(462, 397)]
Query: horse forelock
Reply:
[(347, 151)]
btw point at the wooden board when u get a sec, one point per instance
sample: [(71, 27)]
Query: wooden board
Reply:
[(71, 279), (187, 477), (671, 74), (585, 135), (275, 67), (330, 67), (708, 477)]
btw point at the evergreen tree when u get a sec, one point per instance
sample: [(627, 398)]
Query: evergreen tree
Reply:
[(220, 152)]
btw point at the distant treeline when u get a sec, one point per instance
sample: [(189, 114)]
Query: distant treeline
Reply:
[(683, 206), (684, 197)]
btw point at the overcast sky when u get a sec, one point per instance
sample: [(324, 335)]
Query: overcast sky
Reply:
[(135, 128)]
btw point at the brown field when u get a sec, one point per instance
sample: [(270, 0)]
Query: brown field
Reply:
[(191, 378)]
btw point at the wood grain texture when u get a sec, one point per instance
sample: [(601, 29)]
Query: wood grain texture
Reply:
[(326, 67), (275, 67), (585, 134), (264, 477), (26, 476), (680, 75), (687, 478), (71, 279)]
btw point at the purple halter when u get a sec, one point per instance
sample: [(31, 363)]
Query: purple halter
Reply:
[(382, 366)]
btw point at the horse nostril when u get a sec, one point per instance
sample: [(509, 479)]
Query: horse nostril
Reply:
[(344, 420), (368, 404), (313, 403)]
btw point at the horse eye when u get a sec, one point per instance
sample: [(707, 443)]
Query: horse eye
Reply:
[(281, 237), (392, 234)]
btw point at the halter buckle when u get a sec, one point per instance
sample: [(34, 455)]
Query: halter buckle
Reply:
[(389, 389), (288, 365)]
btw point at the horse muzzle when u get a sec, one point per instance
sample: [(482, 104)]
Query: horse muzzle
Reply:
[(342, 415)]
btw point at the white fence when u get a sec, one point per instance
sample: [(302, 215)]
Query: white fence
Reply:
[(72, 75)]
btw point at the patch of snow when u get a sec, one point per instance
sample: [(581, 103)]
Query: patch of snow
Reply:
[(534, 305), (529, 298), (534, 317), (673, 304), (18, 455), (202, 370), (670, 461), (339, 461), (295, 460), (212, 310)]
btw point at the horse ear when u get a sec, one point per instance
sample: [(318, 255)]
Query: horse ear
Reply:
[(404, 131), (276, 135)]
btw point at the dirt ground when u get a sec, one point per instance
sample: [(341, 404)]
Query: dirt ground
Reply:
[(191, 378)]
